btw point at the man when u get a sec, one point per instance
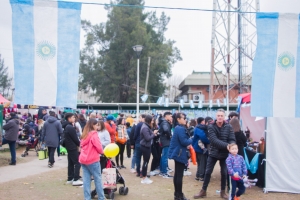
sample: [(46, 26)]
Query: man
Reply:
[(220, 135), (11, 135), (137, 145), (72, 143), (45, 114), (111, 127), (130, 120), (165, 126), (52, 129)]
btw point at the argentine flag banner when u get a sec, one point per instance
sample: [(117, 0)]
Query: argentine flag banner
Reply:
[(276, 67), (46, 42)]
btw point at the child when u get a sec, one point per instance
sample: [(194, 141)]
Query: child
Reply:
[(237, 170)]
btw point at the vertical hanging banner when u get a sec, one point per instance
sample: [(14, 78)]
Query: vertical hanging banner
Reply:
[(166, 102), (276, 85), (192, 104), (225, 102), (210, 103), (46, 42), (200, 105), (218, 102), (181, 103)]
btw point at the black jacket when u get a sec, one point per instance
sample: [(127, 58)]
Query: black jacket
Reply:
[(219, 139), (131, 136), (137, 133), (241, 142), (164, 132), (71, 140)]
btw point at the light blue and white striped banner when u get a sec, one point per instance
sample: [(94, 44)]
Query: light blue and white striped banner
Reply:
[(46, 42), (276, 67)]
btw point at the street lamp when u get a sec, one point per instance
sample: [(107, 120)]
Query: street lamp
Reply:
[(138, 50), (227, 66)]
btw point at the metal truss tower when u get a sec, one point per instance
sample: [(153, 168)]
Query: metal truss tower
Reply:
[(233, 45)]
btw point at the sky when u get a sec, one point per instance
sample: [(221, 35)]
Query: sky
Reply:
[(190, 29)]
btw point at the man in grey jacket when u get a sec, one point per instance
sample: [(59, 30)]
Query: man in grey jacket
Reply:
[(11, 135), (52, 129)]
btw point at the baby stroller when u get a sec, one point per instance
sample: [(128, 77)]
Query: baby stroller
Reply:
[(123, 190), (31, 145)]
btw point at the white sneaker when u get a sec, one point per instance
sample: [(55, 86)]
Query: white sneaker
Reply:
[(187, 173), (77, 183), (70, 182), (132, 171), (170, 170), (167, 176), (146, 181), (153, 173)]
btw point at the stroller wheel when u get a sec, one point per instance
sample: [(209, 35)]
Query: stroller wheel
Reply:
[(22, 155), (111, 196), (121, 190), (126, 190), (27, 153), (93, 194)]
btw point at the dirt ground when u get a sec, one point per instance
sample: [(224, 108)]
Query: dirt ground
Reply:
[(5, 155), (51, 185)]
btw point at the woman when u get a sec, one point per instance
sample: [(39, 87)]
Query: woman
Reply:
[(121, 136), (179, 145), (239, 136), (191, 127), (82, 121), (78, 127), (103, 134), (146, 139), (89, 158), (72, 143), (155, 150)]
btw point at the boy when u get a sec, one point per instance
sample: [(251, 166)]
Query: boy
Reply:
[(237, 170)]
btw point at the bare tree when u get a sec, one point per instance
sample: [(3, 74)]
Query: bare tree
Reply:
[(172, 87)]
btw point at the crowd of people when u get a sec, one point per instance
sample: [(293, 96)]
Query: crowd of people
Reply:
[(164, 136)]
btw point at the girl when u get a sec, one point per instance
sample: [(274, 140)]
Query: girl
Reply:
[(103, 134), (121, 136), (146, 139), (89, 158), (179, 145)]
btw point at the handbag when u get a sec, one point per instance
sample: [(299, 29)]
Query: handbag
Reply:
[(109, 176)]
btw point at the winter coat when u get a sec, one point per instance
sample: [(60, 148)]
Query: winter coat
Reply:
[(137, 133), (104, 138), (71, 141), (146, 135), (191, 131), (121, 134), (82, 123), (219, 139), (11, 129), (236, 164), (52, 129), (112, 131), (164, 132), (131, 136), (178, 145), (90, 149), (241, 142), (199, 134)]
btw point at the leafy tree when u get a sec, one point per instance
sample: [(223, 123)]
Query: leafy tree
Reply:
[(5, 81), (108, 63)]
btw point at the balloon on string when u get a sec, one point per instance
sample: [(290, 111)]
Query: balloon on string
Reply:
[(82, 111), (111, 150)]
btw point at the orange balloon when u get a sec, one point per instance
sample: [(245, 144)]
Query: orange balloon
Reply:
[(193, 155)]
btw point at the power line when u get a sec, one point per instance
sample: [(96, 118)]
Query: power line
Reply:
[(158, 7)]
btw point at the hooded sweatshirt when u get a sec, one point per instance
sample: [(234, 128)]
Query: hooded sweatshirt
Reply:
[(11, 129), (51, 130), (90, 149)]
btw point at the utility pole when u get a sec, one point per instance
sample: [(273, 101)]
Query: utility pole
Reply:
[(147, 77)]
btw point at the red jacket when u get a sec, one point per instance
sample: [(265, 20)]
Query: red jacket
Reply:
[(112, 131), (90, 149)]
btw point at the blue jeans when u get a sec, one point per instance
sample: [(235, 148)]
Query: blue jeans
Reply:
[(94, 170), (164, 160), (133, 160), (138, 157), (237, 184), (12, 148)]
